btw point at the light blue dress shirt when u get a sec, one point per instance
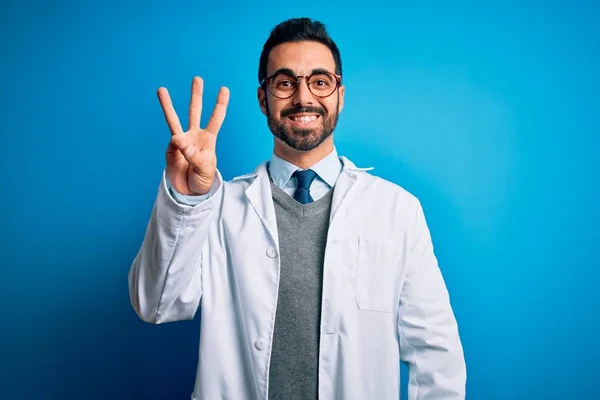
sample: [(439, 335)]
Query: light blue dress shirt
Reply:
[(328, 170)]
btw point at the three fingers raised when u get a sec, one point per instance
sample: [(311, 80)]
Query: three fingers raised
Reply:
[(195, 109)]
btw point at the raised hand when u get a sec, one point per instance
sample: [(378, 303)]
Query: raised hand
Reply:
[(191, 156)]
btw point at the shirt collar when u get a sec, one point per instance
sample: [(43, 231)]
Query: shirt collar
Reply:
[(328, 169)]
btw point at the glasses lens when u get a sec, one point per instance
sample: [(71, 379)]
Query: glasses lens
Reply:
[(283, 85), (322, 84)]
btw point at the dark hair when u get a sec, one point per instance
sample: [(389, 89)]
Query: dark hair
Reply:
[(298, 30)]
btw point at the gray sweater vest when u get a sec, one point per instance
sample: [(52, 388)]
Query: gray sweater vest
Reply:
[(302, 230)]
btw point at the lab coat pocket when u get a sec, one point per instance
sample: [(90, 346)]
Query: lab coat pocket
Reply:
[(375, 275)]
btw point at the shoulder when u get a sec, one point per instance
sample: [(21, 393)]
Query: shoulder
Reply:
[(379, 186), (241, 182), (382, 188)]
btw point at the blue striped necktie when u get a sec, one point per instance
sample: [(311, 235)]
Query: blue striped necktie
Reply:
[(305, 178)]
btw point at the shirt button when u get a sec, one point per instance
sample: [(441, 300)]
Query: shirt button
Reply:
[(272, 252), (260, 344)]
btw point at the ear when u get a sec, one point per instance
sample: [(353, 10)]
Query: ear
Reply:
[(342, 89), (262, 100)]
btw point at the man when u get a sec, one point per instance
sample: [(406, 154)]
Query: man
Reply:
[(315, 278)]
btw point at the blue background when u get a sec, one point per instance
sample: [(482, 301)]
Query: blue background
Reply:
[(488, 113)]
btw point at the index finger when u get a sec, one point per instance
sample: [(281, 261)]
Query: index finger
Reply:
[(169, 112), (218, 115)]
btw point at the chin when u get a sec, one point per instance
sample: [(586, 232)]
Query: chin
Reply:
[(298, 139), (306, 141), (314, 132)]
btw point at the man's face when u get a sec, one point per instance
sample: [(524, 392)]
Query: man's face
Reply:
[(302, 121)]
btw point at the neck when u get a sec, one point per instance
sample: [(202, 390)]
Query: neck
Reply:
[(303, 159)]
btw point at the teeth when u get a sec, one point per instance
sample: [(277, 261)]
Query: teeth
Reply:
[(305, 119)]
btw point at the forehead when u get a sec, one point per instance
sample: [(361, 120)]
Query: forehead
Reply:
[(300, 57)]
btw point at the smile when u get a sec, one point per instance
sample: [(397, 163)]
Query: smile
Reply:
[(303, 119)]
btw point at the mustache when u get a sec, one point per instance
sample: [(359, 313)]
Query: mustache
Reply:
[(306, 109)]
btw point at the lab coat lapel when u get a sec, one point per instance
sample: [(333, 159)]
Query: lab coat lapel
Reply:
[(345, 186), (260, 197)]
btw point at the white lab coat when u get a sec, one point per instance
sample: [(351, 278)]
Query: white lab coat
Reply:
[(384, 298)]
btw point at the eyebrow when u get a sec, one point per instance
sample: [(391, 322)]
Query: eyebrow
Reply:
[(290, 72)]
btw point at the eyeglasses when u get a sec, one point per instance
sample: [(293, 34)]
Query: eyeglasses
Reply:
[(284, 85)]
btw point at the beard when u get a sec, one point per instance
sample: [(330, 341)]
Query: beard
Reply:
[(303, 139)]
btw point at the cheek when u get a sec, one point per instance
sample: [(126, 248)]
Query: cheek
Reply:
[(330, 107), (275, 107)]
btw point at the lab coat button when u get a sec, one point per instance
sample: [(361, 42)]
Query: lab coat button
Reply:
[(260, 344), (272, 252)]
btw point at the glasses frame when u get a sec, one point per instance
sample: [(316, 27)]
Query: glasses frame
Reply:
[(266, 81)]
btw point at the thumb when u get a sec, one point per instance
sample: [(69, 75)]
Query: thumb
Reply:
[(190, 152)]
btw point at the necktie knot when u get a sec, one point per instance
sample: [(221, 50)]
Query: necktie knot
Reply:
[(305, 178)]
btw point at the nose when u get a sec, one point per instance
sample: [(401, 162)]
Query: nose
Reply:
[(303, 96)]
